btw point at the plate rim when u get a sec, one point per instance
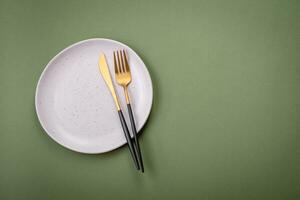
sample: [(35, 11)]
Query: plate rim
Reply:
[(43, 74)]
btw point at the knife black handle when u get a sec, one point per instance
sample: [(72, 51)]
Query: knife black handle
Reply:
[(135, 139), (128, 138)]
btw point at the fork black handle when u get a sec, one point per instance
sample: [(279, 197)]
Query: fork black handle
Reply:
[(136, 141), (128, 138)]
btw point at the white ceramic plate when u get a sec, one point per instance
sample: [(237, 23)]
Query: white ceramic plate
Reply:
[(74, 105)]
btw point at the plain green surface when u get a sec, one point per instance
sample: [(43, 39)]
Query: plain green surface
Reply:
[(225, 122)]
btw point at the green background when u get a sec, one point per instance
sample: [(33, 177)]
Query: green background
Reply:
[(225, 122)]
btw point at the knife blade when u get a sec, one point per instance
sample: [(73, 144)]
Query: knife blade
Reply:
[(107, 78)]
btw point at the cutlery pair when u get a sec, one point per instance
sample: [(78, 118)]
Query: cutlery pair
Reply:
[(123, 77)]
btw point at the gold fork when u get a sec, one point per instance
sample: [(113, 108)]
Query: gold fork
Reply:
[(123, 77)]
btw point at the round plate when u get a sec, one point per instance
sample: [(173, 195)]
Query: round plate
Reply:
[(74, 105)]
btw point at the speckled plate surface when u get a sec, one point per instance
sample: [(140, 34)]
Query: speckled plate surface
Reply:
[(74, 105)]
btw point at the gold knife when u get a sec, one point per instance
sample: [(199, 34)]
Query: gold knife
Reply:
[(107, 78)]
